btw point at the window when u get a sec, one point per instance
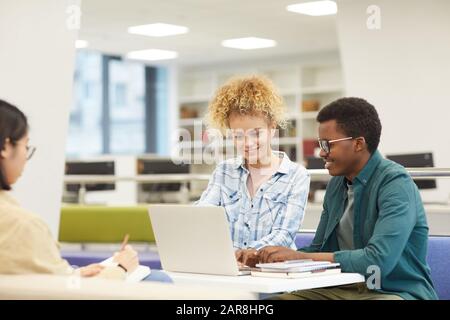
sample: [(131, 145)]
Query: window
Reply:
[(117, 108), (127, 107), (85, 128), (162, 115)]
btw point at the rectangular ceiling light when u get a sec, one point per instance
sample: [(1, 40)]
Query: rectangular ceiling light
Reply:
[(80, 44), (152, 55), (249, 43), (158, 30), (315, 8)]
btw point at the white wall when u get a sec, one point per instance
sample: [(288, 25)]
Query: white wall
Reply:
[(36, 72), (404, 70)]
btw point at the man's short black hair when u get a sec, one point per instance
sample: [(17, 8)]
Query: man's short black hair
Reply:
[(356, 118)]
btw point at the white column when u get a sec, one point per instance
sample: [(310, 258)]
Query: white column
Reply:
[(403, 68), (36, 73)]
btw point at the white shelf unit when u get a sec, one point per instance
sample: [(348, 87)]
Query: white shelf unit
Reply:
[(296, 82), (323, 83)]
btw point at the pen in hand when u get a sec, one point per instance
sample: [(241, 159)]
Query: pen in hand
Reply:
[(124, 242)]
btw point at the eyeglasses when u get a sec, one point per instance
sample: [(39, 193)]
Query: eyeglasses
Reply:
[(30, 151), (239, 135), (325, 145)]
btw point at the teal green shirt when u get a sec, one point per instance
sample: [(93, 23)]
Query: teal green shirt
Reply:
[(390, 229)]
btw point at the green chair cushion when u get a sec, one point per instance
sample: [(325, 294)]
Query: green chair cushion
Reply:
[(100, 224)]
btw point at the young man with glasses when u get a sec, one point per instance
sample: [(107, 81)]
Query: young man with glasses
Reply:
[(373, 217)]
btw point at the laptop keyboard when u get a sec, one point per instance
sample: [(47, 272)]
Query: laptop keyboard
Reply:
[(244, 271)]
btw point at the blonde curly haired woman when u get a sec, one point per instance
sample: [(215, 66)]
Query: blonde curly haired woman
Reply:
[(263, 192)]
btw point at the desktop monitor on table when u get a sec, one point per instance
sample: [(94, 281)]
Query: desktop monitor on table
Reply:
[(416, 160), (90, 168)]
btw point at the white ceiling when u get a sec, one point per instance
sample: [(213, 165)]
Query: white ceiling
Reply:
[(104, 24)]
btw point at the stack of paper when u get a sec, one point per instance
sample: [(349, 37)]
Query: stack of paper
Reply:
[(295, 269)]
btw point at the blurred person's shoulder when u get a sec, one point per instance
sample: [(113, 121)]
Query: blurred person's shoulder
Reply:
[(12, 214)]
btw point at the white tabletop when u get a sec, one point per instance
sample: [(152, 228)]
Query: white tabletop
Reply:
[(266, 285), (46, 286)]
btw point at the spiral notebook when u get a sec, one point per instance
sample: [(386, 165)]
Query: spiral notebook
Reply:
[(295, 275), (137, 275), (296, 266)]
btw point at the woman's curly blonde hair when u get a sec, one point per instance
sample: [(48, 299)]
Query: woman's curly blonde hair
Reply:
[(249, 95)]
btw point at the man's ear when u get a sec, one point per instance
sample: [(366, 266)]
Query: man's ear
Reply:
[(360, 144)]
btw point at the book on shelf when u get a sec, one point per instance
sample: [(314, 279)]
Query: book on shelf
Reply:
[(309, 146)]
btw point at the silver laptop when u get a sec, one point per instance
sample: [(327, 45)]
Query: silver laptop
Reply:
[(194, 239)]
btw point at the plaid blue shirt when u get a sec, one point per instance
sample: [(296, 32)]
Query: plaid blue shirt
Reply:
[(273, 216)]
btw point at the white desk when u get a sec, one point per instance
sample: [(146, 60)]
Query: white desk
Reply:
[(45, 287), (265, 285)]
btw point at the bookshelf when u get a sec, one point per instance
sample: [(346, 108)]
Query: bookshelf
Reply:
[(305, 89)]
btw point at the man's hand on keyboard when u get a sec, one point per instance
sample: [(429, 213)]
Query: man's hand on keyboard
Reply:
[(247, 257)]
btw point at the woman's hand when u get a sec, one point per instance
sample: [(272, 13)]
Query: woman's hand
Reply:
[(128, 258), (91, 270)]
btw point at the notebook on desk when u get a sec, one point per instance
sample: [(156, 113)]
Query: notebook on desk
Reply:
[(295, 269), (139, 274), (294, 275), (296, 266)]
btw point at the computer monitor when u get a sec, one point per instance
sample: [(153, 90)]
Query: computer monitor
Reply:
[(316, 163), (90, 168), (416, 160), (161, 166)]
